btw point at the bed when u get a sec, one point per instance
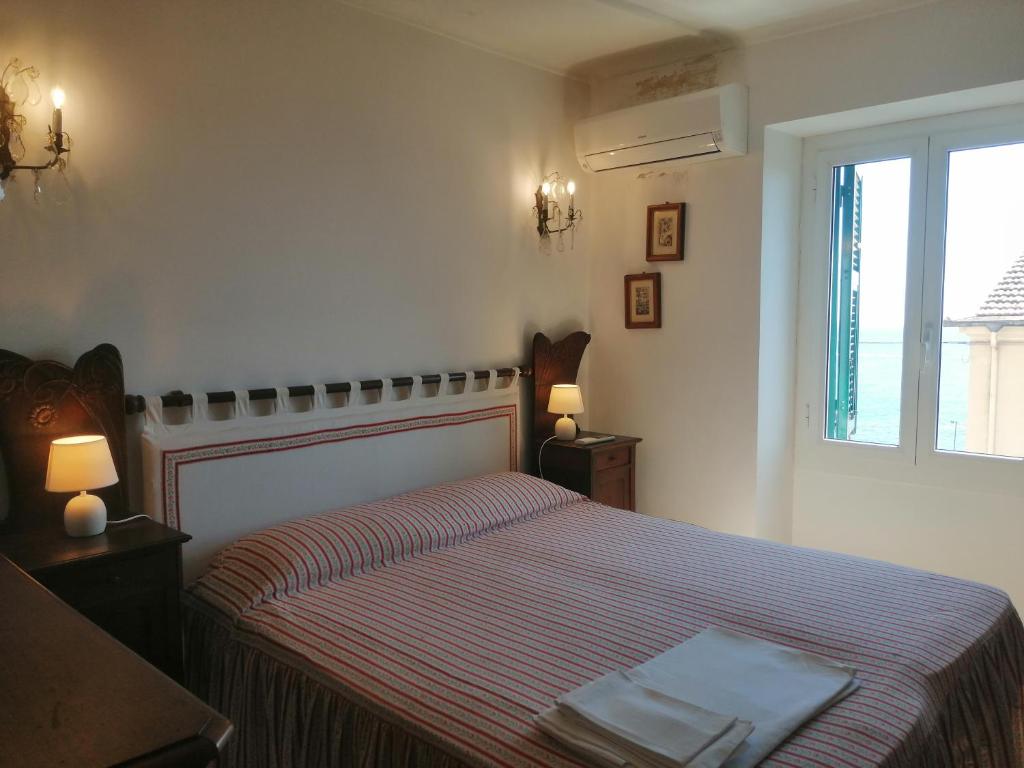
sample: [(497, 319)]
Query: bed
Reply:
[(373, 583), (427, 629)]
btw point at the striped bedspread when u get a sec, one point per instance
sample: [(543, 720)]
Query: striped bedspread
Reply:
[(453, 614)]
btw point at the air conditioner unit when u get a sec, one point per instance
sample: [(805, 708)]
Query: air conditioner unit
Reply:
[(683, 129)]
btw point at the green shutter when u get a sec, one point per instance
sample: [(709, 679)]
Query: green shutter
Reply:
[(844, 310)]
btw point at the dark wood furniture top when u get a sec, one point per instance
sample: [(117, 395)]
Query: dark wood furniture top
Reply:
[(127, 580), (74, 696), (605, 472), (41, 551), (41, 400)]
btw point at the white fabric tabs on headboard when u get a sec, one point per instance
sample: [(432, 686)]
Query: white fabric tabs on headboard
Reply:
[(220, 479)]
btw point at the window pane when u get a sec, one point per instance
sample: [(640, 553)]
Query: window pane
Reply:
[(981, 364), (870, 219)]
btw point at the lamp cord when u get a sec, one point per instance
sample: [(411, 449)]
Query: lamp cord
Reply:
[(126, 519), (540, 454)]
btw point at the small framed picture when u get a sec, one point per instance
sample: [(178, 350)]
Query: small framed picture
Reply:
[(643, 300), (666, 227)]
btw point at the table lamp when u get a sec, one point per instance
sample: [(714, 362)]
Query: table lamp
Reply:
[(565, 399), (80, 464)]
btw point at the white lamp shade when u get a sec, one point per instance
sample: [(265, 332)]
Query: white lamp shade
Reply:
[(80, 463), (565, 399)]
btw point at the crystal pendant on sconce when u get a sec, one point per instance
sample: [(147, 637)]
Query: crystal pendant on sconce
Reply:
[(57, 185), (16, 147)]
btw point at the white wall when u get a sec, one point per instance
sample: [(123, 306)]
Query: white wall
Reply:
[(777, 356), (691, 389), (273, 192), (270, 192)]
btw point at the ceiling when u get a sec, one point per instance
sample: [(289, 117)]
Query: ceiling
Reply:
[(563, 35)]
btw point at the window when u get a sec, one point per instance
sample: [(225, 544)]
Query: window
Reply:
[(870, 209), (912, 296), (981, 359)]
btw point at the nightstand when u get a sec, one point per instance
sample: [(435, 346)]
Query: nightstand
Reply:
[(127, 580), (606, 472)]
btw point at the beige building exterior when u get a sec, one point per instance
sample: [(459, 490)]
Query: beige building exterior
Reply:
[(995, 393)]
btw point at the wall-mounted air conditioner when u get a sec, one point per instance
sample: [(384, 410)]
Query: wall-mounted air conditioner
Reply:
[(684, 129)]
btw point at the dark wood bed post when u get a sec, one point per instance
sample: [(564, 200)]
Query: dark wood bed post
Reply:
[(553, 363), (43, 400)]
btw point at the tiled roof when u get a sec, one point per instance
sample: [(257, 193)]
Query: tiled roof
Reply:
[(1006, 300)]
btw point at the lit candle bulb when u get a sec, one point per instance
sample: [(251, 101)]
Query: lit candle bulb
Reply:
[(546, 188), (571, 189), (57, 95)]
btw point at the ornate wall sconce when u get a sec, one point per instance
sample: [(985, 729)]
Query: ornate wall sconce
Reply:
[(552, 193), (17, 88)]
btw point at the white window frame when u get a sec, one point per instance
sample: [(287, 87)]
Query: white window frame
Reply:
[(1001, 473), (927, 143)]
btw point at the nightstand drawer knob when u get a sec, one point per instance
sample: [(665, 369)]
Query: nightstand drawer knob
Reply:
[(615, 457)]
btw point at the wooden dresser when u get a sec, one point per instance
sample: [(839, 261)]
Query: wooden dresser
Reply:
[(606, 472), (74, 696)]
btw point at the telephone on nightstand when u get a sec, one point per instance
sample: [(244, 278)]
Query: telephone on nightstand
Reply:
[(594, 439)]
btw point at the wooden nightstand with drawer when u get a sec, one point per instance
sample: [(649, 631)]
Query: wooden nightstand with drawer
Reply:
[(606, 472), (127, 580)]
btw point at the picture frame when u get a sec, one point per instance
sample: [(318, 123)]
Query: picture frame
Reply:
[(666, 231), (643, 300)]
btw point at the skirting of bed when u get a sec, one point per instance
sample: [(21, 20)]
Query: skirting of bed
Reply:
[(284, 717), (982, 725), (427, 629)]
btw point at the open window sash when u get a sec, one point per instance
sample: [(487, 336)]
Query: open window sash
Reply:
[(844, 310), (830, 397)]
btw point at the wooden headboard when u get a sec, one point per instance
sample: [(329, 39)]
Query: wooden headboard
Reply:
[(553, 363), (43, 400)]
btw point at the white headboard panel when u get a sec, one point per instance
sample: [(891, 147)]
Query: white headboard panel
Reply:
[(220, 479)]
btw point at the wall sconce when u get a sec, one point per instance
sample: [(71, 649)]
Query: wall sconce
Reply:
[(551, 194), (17, 88)]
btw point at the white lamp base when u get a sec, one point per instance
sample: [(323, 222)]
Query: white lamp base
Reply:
[(565, 428), (85, 515)]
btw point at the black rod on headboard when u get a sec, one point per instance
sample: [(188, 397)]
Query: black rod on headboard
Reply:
[(177, 399)]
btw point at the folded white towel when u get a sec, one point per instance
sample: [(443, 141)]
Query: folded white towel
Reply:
[(774, 687), (664, 713), (577, 734), (663, 729)]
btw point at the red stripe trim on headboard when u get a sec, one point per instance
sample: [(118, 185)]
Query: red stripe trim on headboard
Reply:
[(173, 461)]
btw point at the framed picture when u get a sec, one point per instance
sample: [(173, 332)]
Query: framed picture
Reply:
[(643, 300), (666, 227)]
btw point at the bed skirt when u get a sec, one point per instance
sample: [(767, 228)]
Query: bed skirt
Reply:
[(982, 724), (285, 716)]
